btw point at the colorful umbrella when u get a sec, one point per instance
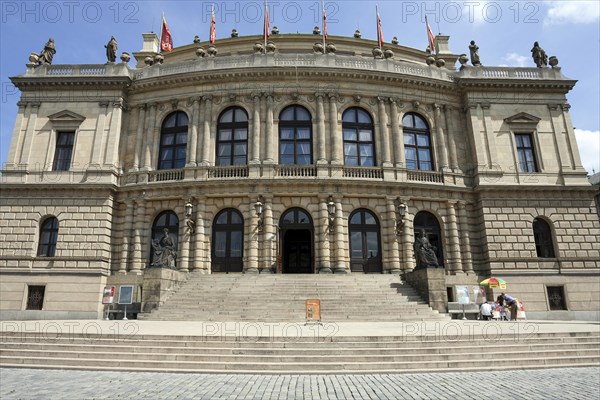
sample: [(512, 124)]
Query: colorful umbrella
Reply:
[(493, 283)]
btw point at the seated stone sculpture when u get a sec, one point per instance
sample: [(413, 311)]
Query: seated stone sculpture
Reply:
[(425, 252), (165, 253)]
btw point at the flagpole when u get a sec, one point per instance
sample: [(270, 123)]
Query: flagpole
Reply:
[(323, 25), (378, 26), (161, 33), (265, 26)]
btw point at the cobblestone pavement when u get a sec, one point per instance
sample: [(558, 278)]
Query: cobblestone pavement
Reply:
[(556, 383)]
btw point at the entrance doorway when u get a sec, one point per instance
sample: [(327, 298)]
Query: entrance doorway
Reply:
[(365, 243), (296, 231)]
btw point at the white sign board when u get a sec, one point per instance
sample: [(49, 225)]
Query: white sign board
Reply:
[(462, 295), (126, 294)]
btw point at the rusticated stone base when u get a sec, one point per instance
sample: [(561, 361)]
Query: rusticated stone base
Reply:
[(431, 285)]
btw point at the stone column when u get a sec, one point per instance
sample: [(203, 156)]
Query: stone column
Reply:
[(321, 147), (454, 258), (139, 260), (341, 266), (99, 136), (337, 155), (193, 142), (139, 137), (466, 239), (111, 156), (251, 267), (199, 263), (255, 139), (127, 231), (149, 142), (14, 152), (441, 138), (206, 131), (408, 241), (575, 157), (323, 235), (451, 133), (29, 134), (267, 237), (270, 153), (185, 237), (384, 134), (397, 134), (392, 239)]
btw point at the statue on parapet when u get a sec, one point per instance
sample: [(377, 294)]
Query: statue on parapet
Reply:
[(425, 252), (47, 54), (111, 50), (474, 50), (165, 253), (539, 56)]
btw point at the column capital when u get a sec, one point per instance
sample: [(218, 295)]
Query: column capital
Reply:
[(103, 103), (35, 104), (566, 106), (142, 106), (153, 105), (22, 103), (333, 97), (255, 96), (207, 98), (319, 95), (195, 99)]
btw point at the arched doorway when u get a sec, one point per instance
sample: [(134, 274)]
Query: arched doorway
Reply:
[(365, 243), (427, 222), (296, 230), (228, 242)]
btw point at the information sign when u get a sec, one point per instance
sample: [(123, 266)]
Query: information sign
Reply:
[(313, 310), (462, 295), (126, 294), (108, 297)]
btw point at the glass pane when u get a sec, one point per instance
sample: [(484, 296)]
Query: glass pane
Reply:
[(227, 116), (522, 161), (182, 138), (367, 161), (241, 134), (181, 151), (168, 139), (410, 153), (225, 134), (526, 140), (372, 245), (350, 149), (222, 219), (286, 133), (304, 160), (370, 219), (424, 155), (409, 139), (407, 121), (224, 150), (287, 114), (287, 159), (223, 161), (425, 166), (366, 150), (363, 117), (236, 244), (167, 154), (182, 119), (220, 244), (287, 148), (352, 161), (303, 218), (240, 160), (240, 149), (179, 163), (420, 123), (423, 140), (236, 219), (303, 133), (170, 121), (356, 245), (302, 114), (366, 136), (355, 220), (349, 115), (519, 140), (350, 135), (303, 148), (411, 164), (240, 115), (288, 218)]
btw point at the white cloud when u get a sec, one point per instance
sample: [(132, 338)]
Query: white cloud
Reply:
[(577, 12), (516, 60), (589, 148)]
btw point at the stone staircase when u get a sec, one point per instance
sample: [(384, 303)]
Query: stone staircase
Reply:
[(298, 355), (281, 298)]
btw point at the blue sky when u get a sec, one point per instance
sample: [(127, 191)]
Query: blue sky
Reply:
[(504, 31)]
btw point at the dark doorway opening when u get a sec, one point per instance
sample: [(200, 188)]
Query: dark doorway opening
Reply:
[(297, 252)]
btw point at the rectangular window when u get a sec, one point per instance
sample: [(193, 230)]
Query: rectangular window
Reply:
[(64, 151), (525, 153), (556, 298), (35, 297)]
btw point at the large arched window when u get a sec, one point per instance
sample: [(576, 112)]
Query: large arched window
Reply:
[(48, 237), (228, 242), (542, 235), (427, 223), (165, 238), (295, 136), (417, 143), (359, 149), (232, 137), (173, 141), (365, 246)]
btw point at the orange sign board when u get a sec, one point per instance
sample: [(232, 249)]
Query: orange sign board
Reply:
[(313, 310)]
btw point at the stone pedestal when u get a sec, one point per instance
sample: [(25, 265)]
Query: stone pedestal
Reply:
[(431, 285), (157, 286)]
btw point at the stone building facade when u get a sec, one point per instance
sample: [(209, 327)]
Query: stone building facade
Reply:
[(293, 161)]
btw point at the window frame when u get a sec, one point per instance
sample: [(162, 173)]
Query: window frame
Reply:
[(543, 238), (295, 124), (415, 132), (63, 163), (523, 150), (233, 141), (174, 147), (357, 127), (51, 233)]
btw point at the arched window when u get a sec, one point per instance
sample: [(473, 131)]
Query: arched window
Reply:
[(228, 242), (48, 237), (542, 235), (428, 223), (173, 141), (417, 143), (165, 239), (295, 136), (365, 246), (357, 127), (232, 137)]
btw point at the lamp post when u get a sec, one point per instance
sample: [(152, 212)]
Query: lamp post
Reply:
[(258, 207), (401, 210)]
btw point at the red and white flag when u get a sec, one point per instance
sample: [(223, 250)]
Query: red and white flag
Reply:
[(213, 28), (430, 38), (379, 31), (166, 40), (266, 27), (324, 20)]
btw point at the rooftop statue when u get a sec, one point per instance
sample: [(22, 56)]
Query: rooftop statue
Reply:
[(111, 50), (47, 54), (539, 56), (196, 39), (474, 50)]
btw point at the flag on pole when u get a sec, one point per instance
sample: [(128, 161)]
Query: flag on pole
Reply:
[(166, 40), (430, 38), (379, 31), (266, 27), (324, 20), (213, 23)]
